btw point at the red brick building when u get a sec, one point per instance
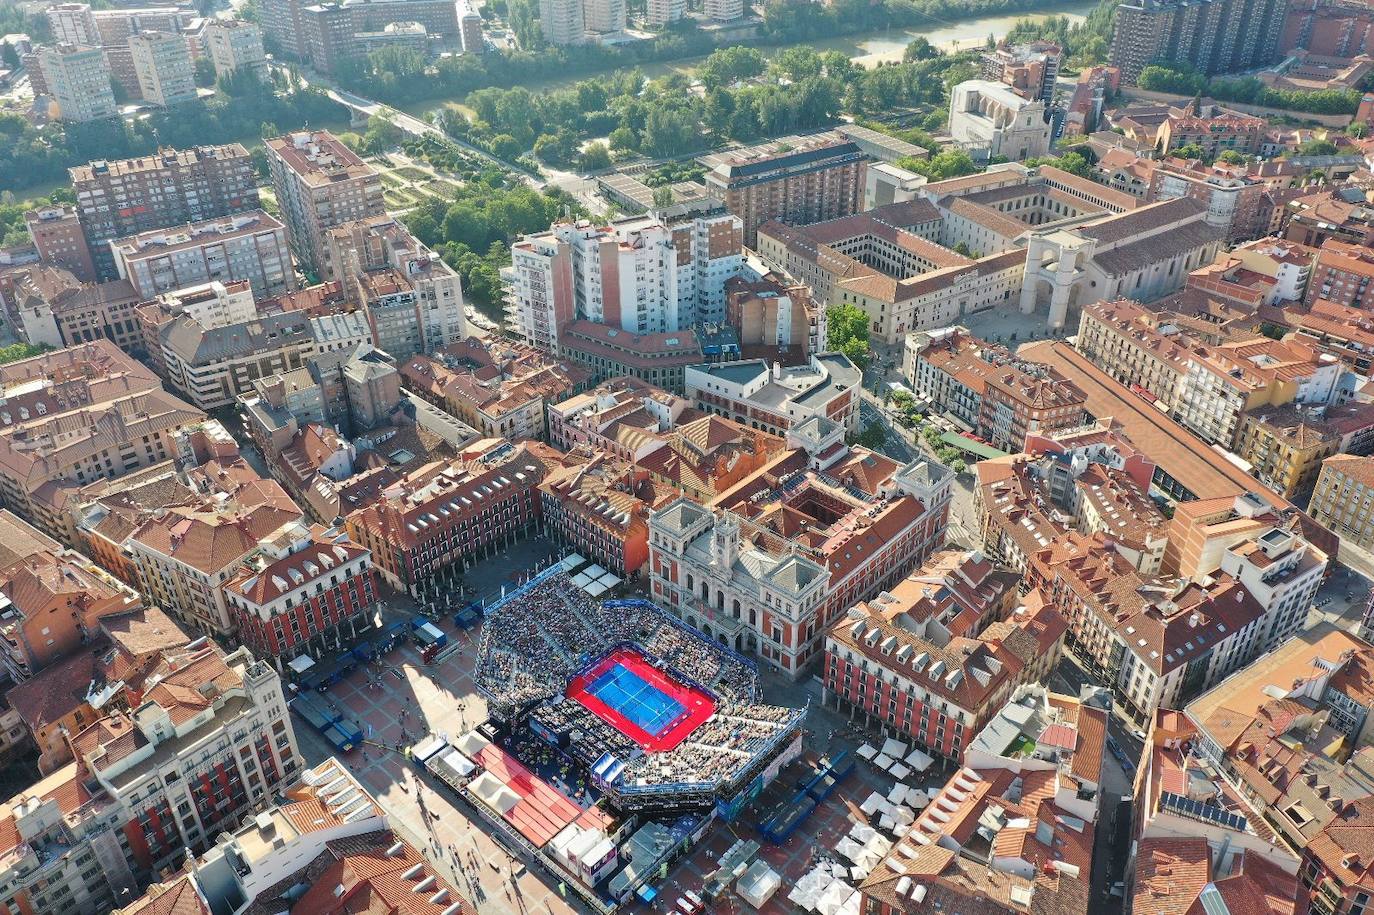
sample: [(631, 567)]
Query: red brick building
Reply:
[(893, 660), (1343, 274), (309, 588), (434, 522), (599, 506), (1023, 398)]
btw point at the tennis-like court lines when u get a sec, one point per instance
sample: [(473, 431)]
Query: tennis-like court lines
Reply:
[(642, 703)]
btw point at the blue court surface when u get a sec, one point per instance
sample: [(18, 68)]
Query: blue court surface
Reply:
[(643, 704)]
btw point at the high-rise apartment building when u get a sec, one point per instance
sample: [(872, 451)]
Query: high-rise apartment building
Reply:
[(1214, 36), (725, 10), (562, 21), (73, 23), (329, 32), (235, 45), (172, 187), (319, 184), (78, 80), (665, 12), (162, 62), (118, 26), (645, 275), (247, 246), (603, 15), (429, 292), (799, 181), (470, 25), (57, 234), (281, 27)]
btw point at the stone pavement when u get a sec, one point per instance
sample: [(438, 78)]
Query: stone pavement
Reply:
[(410, 700)]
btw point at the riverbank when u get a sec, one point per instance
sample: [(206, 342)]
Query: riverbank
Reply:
[(868, 49)]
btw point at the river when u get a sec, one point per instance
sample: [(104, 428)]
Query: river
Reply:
[(868, 49)]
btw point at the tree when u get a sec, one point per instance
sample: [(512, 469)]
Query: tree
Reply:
[(1231, 157), (962, 248), (595, 158), (381, 135), (204, 72), (9, 56), (799, 63), (670, 131), (1318, 148), (920, 48), (663, 196), (873, 435), (847, 332), (1191, 151), (505, 146), (624, 138)]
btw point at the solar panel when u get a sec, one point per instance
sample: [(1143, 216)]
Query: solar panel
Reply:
[(1209, 813)]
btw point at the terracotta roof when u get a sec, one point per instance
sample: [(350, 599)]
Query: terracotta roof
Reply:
[(178, 897), (211, 541)]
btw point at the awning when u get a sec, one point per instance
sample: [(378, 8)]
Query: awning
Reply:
[(301, 664)]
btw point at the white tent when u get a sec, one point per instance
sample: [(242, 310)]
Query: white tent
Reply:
[(758, 884), (866, 751), (571, 561), (899, 770), (883, 761), (472, 743), (919, 760), (871, 802), (596, 589), (454, 763), (491, 791), (302, 663), (894, 748), (847, 848), (862, 832), (918, 800), (898, 793), (609, 580), (834, 896), (595, 571)]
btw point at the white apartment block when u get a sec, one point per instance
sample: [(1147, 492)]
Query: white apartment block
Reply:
[(413, 300), (665, 12), (215, 304), (162, 62), (776, 398), (248, 246), (562, 21), (1282, 572), (79, 80), (643, 275), (603, 16), (725, 10), (233, 45), (73, 23)]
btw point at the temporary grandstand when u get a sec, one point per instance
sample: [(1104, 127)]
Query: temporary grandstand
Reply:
[(659, 716)]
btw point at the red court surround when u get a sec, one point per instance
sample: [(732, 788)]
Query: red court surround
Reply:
[(696, 704)]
